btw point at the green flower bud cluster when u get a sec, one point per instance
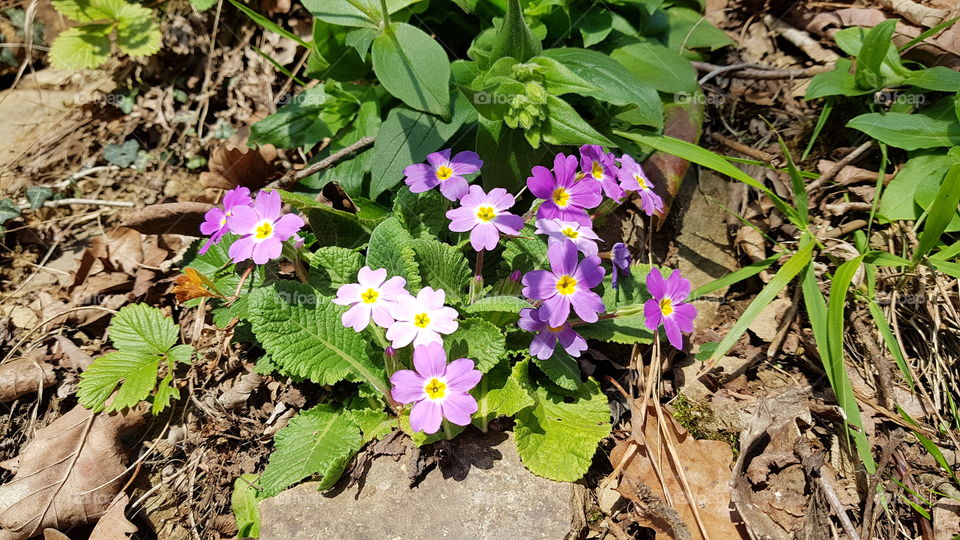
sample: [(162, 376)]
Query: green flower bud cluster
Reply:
[(528, 110)]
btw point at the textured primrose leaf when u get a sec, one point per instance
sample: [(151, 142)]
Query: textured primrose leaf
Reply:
[(500, 393), (556, 439), (303, 334), (332, 266), (391, 248), (562, 369), (319, 441), (498, 304), (527, 253), (422, 214), (477, 340), (443, 266), (83, 47)]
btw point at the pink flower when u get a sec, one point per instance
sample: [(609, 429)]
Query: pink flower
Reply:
[(485, 216), (601, 167), (668, 307), (437, 390), (546, 338), (215, 225), (262, 228), (564, 197), (444, 172), (372, 296), (561, 231), (566, 285), (420, 320), (632, 178)]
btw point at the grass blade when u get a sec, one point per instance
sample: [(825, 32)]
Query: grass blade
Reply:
[(799, 188), (821, 121), (269, 25), (939, 214), (892, 344), (735, 276)]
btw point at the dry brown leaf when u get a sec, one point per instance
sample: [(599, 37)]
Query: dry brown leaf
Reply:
[(53, 534), (113, 525), (72, 356), (169, 218), (24, 376), (706, 466), (69, 474), (235, 164)]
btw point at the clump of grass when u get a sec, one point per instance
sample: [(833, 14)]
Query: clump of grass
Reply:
[(698, 419)]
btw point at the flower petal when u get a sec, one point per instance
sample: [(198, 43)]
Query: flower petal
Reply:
[(368, 277), (484, 236), (430, 360), (652, 314), (563, 258), (357, 317), (543, 344), (656, 285), (673, 333), (454, 188), (242, 249), (242, 220), (587, 304), (408, 386), (458, 407), (466, 162), (426, 416), (541, 183), (539, 285), (461, 376), (268, 204), (287, 226)]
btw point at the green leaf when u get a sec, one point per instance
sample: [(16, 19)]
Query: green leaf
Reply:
[(658, 66), (373, 423), (243, 502), (937, 78), (319, 441), (624, 330), (83, 10), (423, 215), (202, 5), (391, 247), (595, 26), (350, 173), (303, 334), (407, 137), (36, 196), (615, 83), (874, 50), (940, 213), (477, 340), (138, 33), (897, 201), (443, 266), (514, 38), (908, 131), (557, 439), (560, 80), (269, 24), (564, 126), (507, 156), (296, 124), (357, 13), (690, 30), (526, 252), (135, 372), (121, 156), (217, 265), (500, 393), (8, 210), (139, 328), (332, 266), (562, 369), (414, 68), (839, 82), (498, 304)]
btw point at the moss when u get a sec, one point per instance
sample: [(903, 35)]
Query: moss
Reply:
[(697, 418)]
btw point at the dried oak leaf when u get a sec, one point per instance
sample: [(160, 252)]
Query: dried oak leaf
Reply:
[(192, 284), (68, 476), (114, 525), (235, 164), (169, 218), (706, 466), (24, 376)]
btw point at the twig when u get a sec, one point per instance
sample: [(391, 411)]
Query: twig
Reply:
[(829, 175), (758, 71), (813, 462), (846, 228), (208, 72), (293, 177), (760, 155), (84, 173), (68, 201), (45, 321)]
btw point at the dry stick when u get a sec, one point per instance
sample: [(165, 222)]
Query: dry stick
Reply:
[(813, 462), (293, 177), (69, 201), (757, 71), (829, 175), (208, 72), (846, 228), (756, 154)]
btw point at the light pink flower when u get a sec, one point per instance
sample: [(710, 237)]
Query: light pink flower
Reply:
[(262, 227), (372, 296), (485, 216), (558, 231), (215, 224), (437, 390), (420, 320)]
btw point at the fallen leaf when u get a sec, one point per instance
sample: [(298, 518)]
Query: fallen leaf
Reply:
[(235, 164), (24, 376), (69, 474), (73, 357), (169, 218), (113, 525), (706, 466), (192, 284)]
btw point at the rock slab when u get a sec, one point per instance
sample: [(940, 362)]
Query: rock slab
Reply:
[(488, 494)]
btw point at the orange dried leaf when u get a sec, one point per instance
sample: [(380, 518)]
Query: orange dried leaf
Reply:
[(193, 284)]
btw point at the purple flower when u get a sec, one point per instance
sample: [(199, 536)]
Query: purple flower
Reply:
[(444, 172), (215, 225), (600, 166), (667, 306), (561, 231), (547, 336), (437, 390), (566, 285), (262, 228), (372, 296), (621, 259), (421, 319), (632, 178), (564, 197), (485, 216)]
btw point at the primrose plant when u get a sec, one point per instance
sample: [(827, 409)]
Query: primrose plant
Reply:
[(455, 307)]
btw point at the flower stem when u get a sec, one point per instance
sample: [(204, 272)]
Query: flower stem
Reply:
[(243, 278)]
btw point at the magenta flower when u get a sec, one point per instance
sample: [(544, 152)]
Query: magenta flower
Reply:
[(632, 178), (372, 296), (620, 256), (561, 231), (667, 306), (444, 172), (262, 228), (215, 225), (485, 216), (601, 166), (567, 284), (421, 319), (437, 390), (547, 336), (564, 197)]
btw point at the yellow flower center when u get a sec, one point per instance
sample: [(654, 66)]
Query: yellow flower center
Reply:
[(560, 197), (444, 172), (566, 285), (570, 233), (641, 181), (486, 213), (579, 176), (666, 307), (369, 296), (435, 389), (263, 231), (555, 329), (421, 320), (597, 171)]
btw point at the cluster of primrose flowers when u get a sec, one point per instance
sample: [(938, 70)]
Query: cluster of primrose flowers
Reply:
[(437, 389)]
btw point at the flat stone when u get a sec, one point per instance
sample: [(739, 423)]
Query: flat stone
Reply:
[(489, 494), (768, 321)]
